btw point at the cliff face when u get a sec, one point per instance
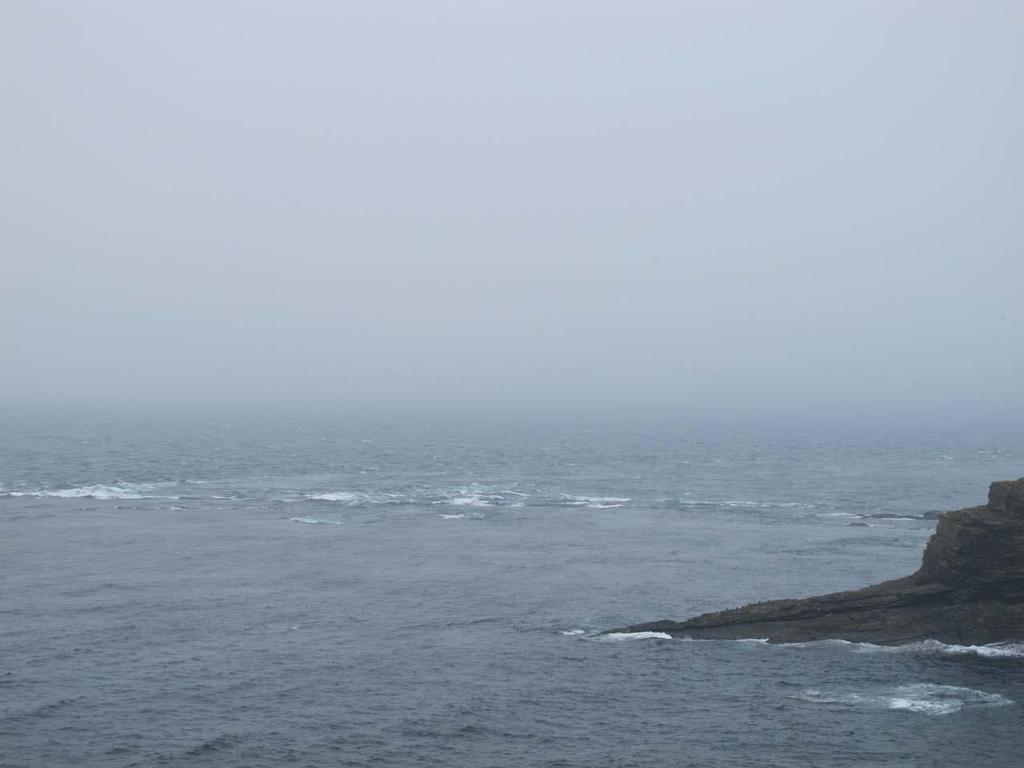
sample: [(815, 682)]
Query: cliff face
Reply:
[(981, 548), (969, 590)]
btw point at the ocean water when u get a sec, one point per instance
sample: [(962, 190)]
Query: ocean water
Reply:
[(317, 591)]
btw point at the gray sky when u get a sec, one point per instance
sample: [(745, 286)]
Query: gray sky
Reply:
[(716, 207)]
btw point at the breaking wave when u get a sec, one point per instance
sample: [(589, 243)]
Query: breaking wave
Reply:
[(466, 499), (472, 495), (480, 495), (593, 502), (122, 491), (314, 521), (1006, 650), (616, 637), (923, 698), (354, 499), (348, 498), (740, 504), (1003, 650)]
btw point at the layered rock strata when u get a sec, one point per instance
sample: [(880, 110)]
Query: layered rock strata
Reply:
[(969, 590)]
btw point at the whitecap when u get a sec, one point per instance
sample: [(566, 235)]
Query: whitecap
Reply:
[(355, 499), (1003, 650), (831, 642), (593, 502), (342, 496), (466, 501), (472, 495), (922, 698), (314, 521), (754, 640), (621, 636), (994, 651), (572, 632), (463, 516), (99, 491), (744, 504)]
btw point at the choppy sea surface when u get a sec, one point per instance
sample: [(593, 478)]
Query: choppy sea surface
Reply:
[(213, 591)]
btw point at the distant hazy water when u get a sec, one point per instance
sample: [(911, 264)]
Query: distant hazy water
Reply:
[(322, 593)]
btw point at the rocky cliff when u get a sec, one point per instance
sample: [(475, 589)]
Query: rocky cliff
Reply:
[(969, 590)]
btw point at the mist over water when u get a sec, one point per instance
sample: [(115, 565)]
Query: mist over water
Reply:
[(361, 363), (669, 208)]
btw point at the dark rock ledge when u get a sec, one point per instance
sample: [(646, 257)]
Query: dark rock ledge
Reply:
[(969, 590)]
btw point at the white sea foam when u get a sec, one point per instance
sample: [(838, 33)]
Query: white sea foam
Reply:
[(481, 496), (993, 651), (621, 636), (122, 491), (462, 516), (314, 521), (743, 504), (573, 632), (1004, 650), (478, 495), (923, 698), (754, 640), (471, 495), (354, 499), (342, 496), (592, 502), (466, 501)]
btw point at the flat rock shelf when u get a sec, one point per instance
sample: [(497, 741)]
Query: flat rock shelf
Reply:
[(969, 590)]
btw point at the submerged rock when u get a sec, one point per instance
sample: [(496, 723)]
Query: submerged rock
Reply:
[(969, 591)]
